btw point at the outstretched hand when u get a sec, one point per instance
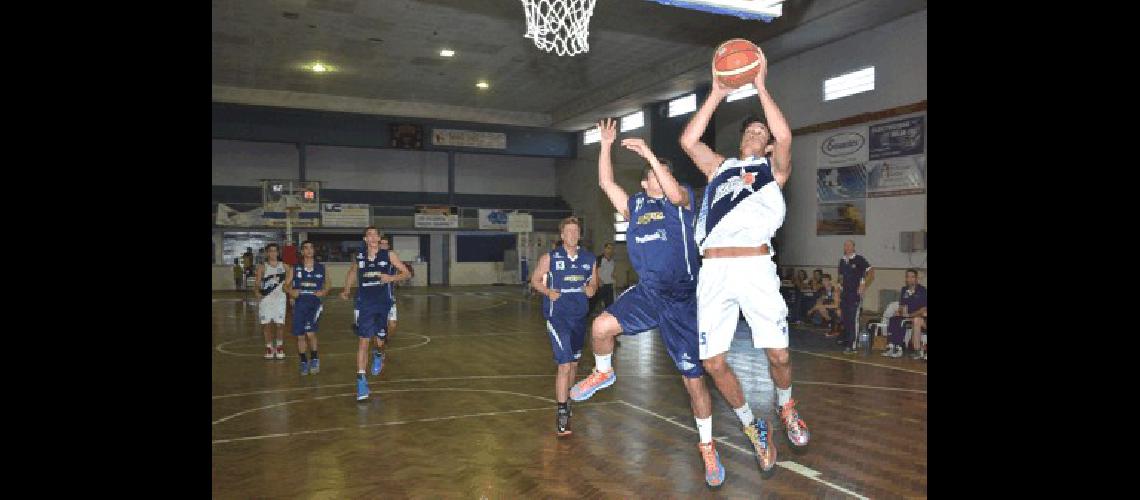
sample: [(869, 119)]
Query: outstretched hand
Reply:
[(637, 145), (608, 128), (761, 70)]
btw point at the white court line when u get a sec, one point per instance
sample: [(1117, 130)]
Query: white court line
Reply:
[(787, 464), (427, 340), (425, 389), (857, 361), (401, 422), (483, 377)]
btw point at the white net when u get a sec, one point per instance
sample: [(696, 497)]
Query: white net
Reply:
[(561, 26)]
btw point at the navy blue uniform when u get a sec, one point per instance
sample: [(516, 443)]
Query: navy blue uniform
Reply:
[(851, 272), (375, 298), (307, 309), (566, 317), (664, 255), (913, 300)]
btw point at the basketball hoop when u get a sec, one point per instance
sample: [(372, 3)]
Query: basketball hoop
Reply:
[(561, 26)]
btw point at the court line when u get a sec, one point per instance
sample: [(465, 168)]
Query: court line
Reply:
[(427, 340), (484, 377), (857, 361), (424, 389), (787, 464)]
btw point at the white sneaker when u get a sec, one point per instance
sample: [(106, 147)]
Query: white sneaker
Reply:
[(280, 352), (268, 352), (890, 350), (898, 352)]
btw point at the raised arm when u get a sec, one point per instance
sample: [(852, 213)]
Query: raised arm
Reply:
[(704, 157), (669, 185), (777, 125), (616, 194)]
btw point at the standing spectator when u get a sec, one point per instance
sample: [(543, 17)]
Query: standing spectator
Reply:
[(239, 275), (912, 306), (855, 274), (606, 274), (247, 262)]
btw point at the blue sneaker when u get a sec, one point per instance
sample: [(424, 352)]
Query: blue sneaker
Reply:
[(377, 364), (304, 368), (591, 384), (361, 389), (714, 471), (314, 366)]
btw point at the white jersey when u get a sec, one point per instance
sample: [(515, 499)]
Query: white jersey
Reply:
[(273, 278), (743, 206)]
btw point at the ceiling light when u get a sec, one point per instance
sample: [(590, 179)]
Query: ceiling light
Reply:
[(446, 53), (319, 68), (482, 85)]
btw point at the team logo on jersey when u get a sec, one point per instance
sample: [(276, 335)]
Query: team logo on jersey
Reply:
[(586, 266), (361, 263), (656, 235), (648, 217), (559, 265), (638, 203), (299, 274), (749, 178)]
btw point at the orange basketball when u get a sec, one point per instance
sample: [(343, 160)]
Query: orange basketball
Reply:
[(736, 62)]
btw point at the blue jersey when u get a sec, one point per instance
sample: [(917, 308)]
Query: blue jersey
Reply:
[(851, 272), (373, 292), (307, 282), (569, 277), (660, 241), (913, 300)]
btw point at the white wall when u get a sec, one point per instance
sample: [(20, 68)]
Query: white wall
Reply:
[(374, 169), (496, 174), (244, 163)]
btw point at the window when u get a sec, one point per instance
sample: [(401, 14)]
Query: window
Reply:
[(849, 83), (742, 92), (620, 226), (682, 105), (591, 136), (632, 121)]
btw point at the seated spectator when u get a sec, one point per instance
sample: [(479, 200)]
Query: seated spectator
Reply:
[(816, 280), (912, 306), (827, 305)]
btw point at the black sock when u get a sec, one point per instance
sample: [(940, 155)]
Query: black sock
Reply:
[(360, 376), (379, 352), (314, 353), (302, 355), (563, 408)]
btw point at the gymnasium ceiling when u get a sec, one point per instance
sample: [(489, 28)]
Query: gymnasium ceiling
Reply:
[(386, 55)]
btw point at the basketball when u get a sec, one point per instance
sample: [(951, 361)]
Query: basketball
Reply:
[(736, 62)]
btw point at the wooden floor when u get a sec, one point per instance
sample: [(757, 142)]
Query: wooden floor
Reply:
[(465, 409)]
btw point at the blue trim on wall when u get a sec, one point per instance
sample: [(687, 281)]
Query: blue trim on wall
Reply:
[(334, 128)]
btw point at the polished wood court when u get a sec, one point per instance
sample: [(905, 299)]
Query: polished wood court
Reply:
[(464, 409)]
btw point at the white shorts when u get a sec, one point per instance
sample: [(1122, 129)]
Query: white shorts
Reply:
[(392, 313), (272, 310), (727, 286)]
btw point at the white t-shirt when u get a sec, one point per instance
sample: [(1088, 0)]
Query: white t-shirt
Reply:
[(606, 271)]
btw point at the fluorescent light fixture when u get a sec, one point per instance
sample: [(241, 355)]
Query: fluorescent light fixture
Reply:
[(619, 237), (742, 92), (849, 83), (764, 10), (591, 136), (446, 53), (621, 227), (482, 85), (682, 105), (632, 121)]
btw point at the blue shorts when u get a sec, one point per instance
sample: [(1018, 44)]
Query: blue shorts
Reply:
[(567, 330), (372, 320), (673, 312), (306, 314)]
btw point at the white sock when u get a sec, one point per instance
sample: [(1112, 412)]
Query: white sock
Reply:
[(704, 426), (602, 362), (269, 346), (783, 395), (279, 342), (744, 413)]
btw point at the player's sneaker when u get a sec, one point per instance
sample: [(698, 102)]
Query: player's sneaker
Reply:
[(898, 352), (848, 349), (268, 352), (361, 389), (280, 352), (889, 352), (377, 363), (798, 432), (917, 354), (757, 432), (714, 471), (591, 384), (562, 422), (304, 368), (314, 366)]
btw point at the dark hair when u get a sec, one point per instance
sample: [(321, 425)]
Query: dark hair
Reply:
[(756, 119), (913, 270), (825, 276), (307, 242), (365, 233), (274, 245), (801, 271), (649, 168)]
